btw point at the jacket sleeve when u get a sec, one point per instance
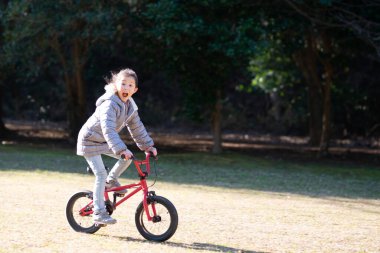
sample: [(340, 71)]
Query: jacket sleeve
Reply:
[(138, 132), (108, 124)]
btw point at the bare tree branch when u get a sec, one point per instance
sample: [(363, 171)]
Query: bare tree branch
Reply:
[(314, 19), (345, 16)]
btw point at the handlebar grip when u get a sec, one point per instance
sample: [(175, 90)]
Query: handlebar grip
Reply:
[(152, 155), (123, 157)]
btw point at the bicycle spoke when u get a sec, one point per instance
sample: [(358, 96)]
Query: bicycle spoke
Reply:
[(83, 221), (78, 213), (160, 227)]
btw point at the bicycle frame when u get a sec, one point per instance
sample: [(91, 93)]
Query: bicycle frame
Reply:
[(141, 186)]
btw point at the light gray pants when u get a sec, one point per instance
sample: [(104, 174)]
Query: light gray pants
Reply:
[(97, 166)]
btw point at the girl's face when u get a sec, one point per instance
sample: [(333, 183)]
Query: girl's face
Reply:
[(126, 87)]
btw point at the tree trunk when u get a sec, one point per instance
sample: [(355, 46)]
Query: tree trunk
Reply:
[(71, 108), (75, 104), (325, 136), (77, 91), (307, 62), (326, 88), (3, 130), (217, 124), (75, 87)]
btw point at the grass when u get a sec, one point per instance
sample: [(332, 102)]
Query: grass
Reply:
[(228, 203), (230, 170)]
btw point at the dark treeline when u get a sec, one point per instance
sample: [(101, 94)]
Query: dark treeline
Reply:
[(285, 67)]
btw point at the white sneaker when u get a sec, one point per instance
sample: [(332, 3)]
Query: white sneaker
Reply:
[(103, 218), (114, 183)]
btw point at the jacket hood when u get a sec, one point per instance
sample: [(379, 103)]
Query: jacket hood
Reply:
[(113, 97)]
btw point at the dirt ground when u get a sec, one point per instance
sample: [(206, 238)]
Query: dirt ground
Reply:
[(32, 219)]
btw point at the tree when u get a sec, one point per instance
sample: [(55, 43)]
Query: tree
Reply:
[(315, 34), (206, 46), (274, 72), (359, 17), (59, 35), (321, 46), (3, 70), (3, 129), (288, 40)]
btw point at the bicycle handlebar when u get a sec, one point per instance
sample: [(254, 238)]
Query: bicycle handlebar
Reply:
[(145, 162), (147, 154)]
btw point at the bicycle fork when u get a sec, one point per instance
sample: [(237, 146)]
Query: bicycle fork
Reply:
[(149, 199)]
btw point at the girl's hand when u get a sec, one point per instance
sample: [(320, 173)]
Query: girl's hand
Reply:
[(153, 150), (127, 154)]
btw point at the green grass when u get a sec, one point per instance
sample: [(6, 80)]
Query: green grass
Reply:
[(230, 170)]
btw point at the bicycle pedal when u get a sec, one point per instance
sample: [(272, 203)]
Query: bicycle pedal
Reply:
[(100, 225)]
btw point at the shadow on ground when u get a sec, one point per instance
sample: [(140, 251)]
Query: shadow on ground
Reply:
[(193, 246)]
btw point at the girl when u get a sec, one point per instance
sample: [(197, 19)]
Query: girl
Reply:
[(99, 135)]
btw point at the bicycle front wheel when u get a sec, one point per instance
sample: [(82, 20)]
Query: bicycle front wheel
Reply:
[(77, 213), (164, 223)]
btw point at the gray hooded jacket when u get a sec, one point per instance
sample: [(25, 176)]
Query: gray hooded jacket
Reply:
[(100, 134)]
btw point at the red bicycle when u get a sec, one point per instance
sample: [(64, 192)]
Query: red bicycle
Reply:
[(156, 217)]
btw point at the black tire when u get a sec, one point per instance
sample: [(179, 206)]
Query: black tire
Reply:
[(79, 223), (160, 230)]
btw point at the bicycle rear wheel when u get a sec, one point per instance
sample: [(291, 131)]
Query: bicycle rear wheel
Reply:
[(81, 222), (164, 224)]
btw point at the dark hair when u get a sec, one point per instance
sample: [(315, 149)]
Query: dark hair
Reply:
[(124, 73)]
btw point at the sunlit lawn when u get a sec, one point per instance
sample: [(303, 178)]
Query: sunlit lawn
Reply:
[(226, 203)]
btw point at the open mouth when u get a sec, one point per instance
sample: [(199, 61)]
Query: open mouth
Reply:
[(125, 94)]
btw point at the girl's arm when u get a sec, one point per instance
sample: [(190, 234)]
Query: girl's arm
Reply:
[(138, 132)]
